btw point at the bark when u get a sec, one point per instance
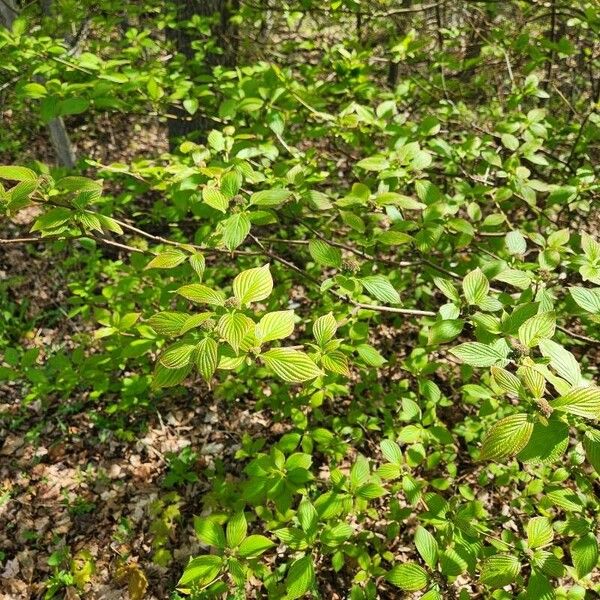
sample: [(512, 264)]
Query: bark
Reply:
[(225, 36)]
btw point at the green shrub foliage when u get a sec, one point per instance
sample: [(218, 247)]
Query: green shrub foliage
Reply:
[(383, 230)]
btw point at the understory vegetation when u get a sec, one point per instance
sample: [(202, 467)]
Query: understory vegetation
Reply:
[(299, 299)]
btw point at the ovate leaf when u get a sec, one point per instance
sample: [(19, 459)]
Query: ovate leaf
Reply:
[(253, 285), (275, 326), (409, 577), (581, 401), (477, 354), (507, 437), (292, 366), (500, 570), (475, 286), (324, 254)]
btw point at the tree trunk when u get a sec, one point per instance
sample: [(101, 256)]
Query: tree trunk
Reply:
[(226, 37)]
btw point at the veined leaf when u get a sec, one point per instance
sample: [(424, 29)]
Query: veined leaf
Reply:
[(292, 366), (584, 552), (325, 254), (275, 326), (409, 577), (537, 328), (178, 356), (167, 259), (581, 401), (206, 356), (233, 327), (427, 546), (255, 545), (587, 298), (475, 286), (539, 532), (235, 230), (201, 570), (562, 361), (202, 294), (168, 323), (380, 287), (477, 354), (507, 437), (500, 570), (253, 285), (300, 578), (324, 328)]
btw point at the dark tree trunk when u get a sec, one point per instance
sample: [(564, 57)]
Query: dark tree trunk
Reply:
[(225, 36)]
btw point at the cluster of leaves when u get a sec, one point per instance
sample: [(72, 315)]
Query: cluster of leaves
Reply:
[(425, 256)]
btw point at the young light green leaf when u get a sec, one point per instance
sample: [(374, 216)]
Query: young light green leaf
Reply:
[(324, 328), (178, 356), (253, 285), (477, 354), (475, 286), (515, 243), (300, 578), (201, 294), (427, 546), (207, 357), (235, 230), (539, 532), (587, 298), (209, 532), (273, 197), (445, 331), (255, 545), (275, 326), (380, 287), (506, 437), (562, 361), (168, 323), (236, 530), (292, 366), (537, 328), (409, 577), (167, 259), (580, 401), (584, 552), (324, 254), (500, 570), (233, 327), (201, 570)]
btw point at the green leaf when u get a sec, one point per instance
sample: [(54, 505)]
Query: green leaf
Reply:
[(167, 260), (255, 545), (537, 328), (444, 331), (307, 516), (300, 578), (213, 196), (178, 356), (562, 361), (201, 294), (336, 362), (253, 285), (547, 442), (273, 197), (198, 263), (201, 570), (207, 357), (515, 243), (324, 254), (275, 326), (380, 287), (477, 354), (14, 173), (391, 451), (587, 298), (500, 570), (409, 577), (167, 323), (584, 553), (209, 532), (427, 546), (373, 163), (506, 437), (164, 377), (591, 445), (581, 401), (475, 286), (539, 532), (237, 528), (324, 328), (292, 366), (233, 327), (235, 230), (231, 183), (370, 355)]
